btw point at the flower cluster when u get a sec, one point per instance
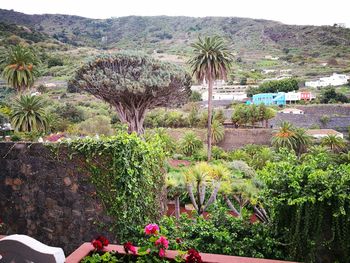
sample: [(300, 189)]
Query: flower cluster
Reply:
[(162, 243), (55, 137), (151, 229), (155, 248), (128, 247), (100, 242), (193, 256)]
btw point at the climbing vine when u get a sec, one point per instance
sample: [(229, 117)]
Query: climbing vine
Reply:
[(127, 174), (310, 205)]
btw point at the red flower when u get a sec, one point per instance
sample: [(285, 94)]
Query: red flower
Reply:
[(193, 256), (100, 242), (161, 252), (103, 240), (97, 244), (151, 229), (129, 247), (162, 242)]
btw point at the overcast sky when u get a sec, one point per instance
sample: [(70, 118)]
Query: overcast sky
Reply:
[(302, 12)]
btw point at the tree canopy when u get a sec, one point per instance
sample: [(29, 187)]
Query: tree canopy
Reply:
[(133, 83), (272, 86)]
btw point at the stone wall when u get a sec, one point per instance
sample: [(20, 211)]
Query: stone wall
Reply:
[(237, 138), (234, 138), (49, 200), (340, 123)]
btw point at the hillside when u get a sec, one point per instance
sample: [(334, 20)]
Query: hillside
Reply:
[(173, 34)]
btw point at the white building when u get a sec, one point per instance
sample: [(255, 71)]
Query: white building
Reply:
[(321, 133), (293, 96), (221, 91), (334, 80), (291, 111)]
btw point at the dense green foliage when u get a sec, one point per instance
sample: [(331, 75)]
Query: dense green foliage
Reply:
[(331, 96), (244, 115), (127, 174), (223, 234), (309, 201), (273, 86)]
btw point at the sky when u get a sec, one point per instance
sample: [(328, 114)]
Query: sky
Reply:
[(300, 12)]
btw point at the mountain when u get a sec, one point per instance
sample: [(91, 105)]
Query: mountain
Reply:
[(174, 34)]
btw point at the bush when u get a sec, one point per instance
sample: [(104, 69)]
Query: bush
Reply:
[(218, 153), (54, 61), (96, 125), (70, 112), (190, 144), (16, 138), (195, 96), (42, 89), (222, 233)]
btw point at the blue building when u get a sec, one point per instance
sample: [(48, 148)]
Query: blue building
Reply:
[(270, 98)]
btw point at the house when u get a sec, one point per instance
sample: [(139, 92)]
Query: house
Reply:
[(292, 97), (321, 133), (291, 111), (270, 98), (306, 96), (334, 80), (222, 91)]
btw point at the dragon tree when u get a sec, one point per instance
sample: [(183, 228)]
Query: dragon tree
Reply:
[(134, 83)]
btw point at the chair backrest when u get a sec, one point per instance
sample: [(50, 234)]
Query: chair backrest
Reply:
[(24, 249)]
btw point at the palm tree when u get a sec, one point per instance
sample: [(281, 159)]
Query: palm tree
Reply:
[(285, 137), (28, 114), (19, 67), (217, 132), (211, 61), (291, 138), (335, 143)]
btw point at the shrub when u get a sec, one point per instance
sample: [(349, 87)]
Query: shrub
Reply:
[(41, 88), (70, 112), (195, 96), (16, 138), (218, 153), (222, 233), (96, 125), (54, 61), (217, 132), (190, 144)]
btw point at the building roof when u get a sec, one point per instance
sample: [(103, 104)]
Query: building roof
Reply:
[(322, 132)]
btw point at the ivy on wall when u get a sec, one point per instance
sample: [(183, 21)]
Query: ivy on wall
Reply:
[(128, 175)]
